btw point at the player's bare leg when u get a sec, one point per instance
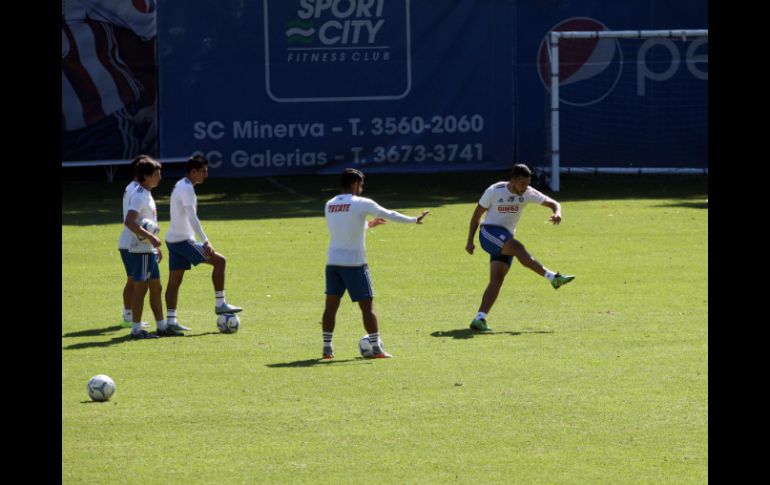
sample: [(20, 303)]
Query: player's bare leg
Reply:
[(517, 249), (328, 321), (175, 279), (497, 272), (219, 263), (372, 328), (137, 300)]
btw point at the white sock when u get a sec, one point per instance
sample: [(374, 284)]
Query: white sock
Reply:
[(481, 316), (161, 324), (220, 295), (328, 339), (374, 339), (171, 315), (136, 327), (550, 275), (126, 315)]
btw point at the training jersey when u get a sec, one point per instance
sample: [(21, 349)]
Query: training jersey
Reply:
[(125, 235), (504, 208), (142, 202), (346, 221), (180, 228)]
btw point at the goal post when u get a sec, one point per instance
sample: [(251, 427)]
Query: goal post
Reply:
[(556, 39)]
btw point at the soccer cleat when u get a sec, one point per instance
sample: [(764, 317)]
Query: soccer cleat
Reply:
[(169, 332), (559, 280), (178, 327), (480, 324), (328, 353), (378, 353), (226, 308), (126, 324), (142, 334)]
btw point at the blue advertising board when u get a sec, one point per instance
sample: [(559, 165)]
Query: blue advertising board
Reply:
[(270, 87)]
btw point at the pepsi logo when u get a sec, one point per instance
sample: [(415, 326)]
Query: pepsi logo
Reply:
[(581, 61)]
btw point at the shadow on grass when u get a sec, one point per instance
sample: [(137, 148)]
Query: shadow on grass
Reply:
[(91, 202), (467, 333), (310, 363), (104, 343), (94, 332), (687, 204), (121, 339)]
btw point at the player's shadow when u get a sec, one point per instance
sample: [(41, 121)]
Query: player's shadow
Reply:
[(467, 333), (93, 332), (104, 343), (309, 363)]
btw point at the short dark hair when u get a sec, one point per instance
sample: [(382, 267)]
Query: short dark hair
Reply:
[(145, 167), (520, 170), (136, 160), (196, 162), (351, 176)]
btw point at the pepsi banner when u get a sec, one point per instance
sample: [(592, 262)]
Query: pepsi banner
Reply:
[(271, 87), (623, 103)]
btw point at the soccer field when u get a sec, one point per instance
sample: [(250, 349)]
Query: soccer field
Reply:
[(604, 381)]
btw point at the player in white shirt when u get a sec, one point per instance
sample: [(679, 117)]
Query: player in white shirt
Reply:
[(503, 202), (144, 254), (346, 265), (184, 251), (123, 242)]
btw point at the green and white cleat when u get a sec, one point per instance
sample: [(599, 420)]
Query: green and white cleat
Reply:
[(480, 324), (126, 324), (560, 280)]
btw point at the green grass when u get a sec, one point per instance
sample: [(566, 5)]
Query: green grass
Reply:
[(604, 381)]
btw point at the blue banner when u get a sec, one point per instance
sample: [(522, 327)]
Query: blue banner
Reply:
[(270, 87), (623, 103)]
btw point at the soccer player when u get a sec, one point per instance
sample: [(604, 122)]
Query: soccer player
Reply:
[(503, 202), (346, 266), (123, 243), (183, 251), (144, 254)]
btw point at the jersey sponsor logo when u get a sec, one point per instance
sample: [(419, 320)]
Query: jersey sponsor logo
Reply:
[(508, 208), (339, 208)]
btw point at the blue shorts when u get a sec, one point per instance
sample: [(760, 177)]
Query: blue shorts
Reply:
[(355, 279), (185, 255), (492, 239), (144, 266), (126, 261)]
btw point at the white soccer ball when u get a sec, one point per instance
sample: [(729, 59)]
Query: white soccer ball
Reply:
[(365, 347), (150, 226), (228, 323), (100, 387)]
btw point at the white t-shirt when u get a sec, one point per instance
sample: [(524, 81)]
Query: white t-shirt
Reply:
[(125, 235), (142, 202), (504, 208), (346, 221), (183, 196)]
